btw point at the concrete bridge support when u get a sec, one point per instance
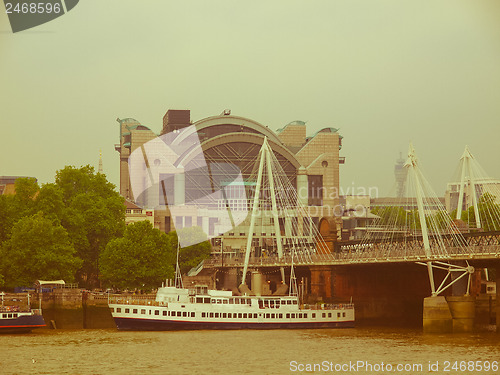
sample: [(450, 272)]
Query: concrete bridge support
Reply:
[(321, 282), (451, 314), (437, 315)]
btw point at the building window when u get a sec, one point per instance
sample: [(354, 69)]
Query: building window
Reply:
[(315, 190), (178, 222)]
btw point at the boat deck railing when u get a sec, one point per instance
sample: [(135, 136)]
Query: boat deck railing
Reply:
[(326, 306), (133, 300)]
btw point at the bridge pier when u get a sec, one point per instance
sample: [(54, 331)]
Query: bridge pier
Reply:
[(321, 282)]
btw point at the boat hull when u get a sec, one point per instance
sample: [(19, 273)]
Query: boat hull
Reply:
[(132, 324), (21, 324)]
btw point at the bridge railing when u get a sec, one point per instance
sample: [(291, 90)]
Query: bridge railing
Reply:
[(480, 244)]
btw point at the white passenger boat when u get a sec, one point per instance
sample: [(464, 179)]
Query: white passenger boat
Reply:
[(201, 308)]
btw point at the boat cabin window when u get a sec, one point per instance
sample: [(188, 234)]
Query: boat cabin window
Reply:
[(201, 289), (199, 299), (338, 315), (240, 315), (314, 315), (192, 315), (165, 313), (329, 315), (231, 301), (343, 315), (236, 301), (143, 311), (157, 312), (288, 316), (202, 314), (134, 311), (207, 300), (219, 301), (225, 301), (184, 314), (127, 311)]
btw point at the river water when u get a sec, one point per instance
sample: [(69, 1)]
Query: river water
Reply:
[(333, 351)]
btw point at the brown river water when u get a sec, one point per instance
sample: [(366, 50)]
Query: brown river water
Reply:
[(330, 351)]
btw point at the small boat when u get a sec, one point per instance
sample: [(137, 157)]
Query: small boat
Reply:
[(17, 319), (200, 308)]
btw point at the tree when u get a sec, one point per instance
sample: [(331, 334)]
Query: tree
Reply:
[(489, 213), (191, 256), (141, 259), (50, 203), (8, 216), (37, 249), (93, 215), (14, 207)]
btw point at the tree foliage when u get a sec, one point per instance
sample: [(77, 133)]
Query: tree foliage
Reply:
[(191, 256), (82, 202), (142, 259), (93, 215), (489, 213), (38, 249)]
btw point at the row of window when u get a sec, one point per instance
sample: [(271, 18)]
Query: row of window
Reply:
[(245, 301), (186, 314), (9, 316), (224, 301)]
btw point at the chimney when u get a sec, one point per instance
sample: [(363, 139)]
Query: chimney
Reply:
[(176, 119)]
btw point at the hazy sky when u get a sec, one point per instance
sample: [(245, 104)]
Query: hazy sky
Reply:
[(385, 72)]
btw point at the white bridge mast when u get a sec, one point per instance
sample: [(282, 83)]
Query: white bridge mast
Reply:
[(265, 156)]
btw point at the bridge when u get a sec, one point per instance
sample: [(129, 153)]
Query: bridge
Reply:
[(390, 248), (479, 246)]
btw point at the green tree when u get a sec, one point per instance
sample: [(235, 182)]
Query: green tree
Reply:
[(489, 213), (141, 259), (49, 201), (93, 215), (38, 249), (8, 216), (14, 207), (191, 256)]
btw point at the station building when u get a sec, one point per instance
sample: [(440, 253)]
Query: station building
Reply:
[(311, 163)]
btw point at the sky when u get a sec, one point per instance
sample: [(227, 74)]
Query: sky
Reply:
[(385, 72)]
